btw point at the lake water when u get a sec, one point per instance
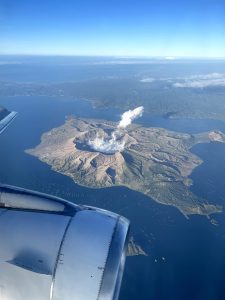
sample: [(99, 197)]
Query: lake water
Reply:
[(186, 257)]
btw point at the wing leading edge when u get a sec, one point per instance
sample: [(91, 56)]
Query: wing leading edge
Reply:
[(4, 122)]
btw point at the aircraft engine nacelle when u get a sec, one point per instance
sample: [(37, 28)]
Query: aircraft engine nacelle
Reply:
[(54, 249)]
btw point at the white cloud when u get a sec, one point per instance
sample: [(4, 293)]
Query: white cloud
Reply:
[(202, 81), (147, 80)]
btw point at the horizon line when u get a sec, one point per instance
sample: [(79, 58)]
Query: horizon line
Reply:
[(165, 57)]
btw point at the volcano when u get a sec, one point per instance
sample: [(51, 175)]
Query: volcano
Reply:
[(154, 161)]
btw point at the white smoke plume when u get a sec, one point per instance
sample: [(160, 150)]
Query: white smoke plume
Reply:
[(110, 145), (115, 142), (129, 116)]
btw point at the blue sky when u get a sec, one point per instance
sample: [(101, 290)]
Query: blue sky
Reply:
[(193, 28)]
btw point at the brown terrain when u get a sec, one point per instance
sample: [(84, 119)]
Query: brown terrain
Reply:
[(155, 161)]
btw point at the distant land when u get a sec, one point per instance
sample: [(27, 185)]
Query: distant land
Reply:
[(155, 161), (167, 97), (133, 249)]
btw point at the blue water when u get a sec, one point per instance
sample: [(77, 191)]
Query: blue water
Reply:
[(194, 249)]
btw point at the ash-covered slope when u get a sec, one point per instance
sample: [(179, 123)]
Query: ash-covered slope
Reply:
[(155, 161)]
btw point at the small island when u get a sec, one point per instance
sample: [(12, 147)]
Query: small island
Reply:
[(133, 249), (153, 161)]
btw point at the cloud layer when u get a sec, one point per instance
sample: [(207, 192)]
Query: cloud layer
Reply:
[(147, 80), (202, 81)]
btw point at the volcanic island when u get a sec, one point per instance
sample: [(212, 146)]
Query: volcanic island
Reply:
[(153, 161)]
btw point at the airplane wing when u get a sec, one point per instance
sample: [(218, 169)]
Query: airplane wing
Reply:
[(53, 249), (6, 118)]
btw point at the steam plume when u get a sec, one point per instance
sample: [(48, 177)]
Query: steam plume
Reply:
[(129, 116), (115, 142)]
